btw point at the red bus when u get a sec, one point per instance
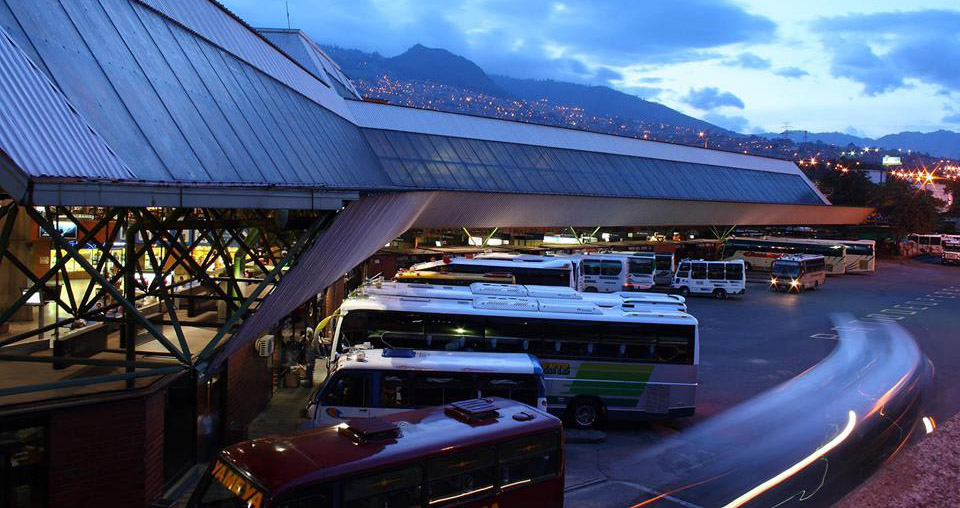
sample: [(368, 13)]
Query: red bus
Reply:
[(479, 453)]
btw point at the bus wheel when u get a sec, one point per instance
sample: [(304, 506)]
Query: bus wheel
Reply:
[(684, 291), (585, 413), (590, 290), (720, 294), (816, 284)]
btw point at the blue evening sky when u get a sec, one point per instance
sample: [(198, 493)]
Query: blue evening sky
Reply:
[(868, 67)]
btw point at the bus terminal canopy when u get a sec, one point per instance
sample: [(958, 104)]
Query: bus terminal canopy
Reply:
[(139, 103)]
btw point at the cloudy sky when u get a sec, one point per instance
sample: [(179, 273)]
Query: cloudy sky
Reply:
[(867, 67)]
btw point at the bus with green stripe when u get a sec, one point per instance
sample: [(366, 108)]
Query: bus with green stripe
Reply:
[(598, 360)]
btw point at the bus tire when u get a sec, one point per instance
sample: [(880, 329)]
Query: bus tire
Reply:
[(816, 284), (684, 291), (585, 413), (590, 290), (720, 294)]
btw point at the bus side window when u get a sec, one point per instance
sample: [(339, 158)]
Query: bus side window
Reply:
[(529, 459), (611, 268), (699, 271), (715, 271), (520, 388), (308, 497), (684, 271), (439, 388), (591, 267), (734, 271), (396, 390), (460, 477), (400, 487), (347, 389)]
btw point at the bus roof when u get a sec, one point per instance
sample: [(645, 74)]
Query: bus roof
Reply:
[(282, 462), (445, 361), (503, 260), (521, 307), (629, 299), (798, 257)]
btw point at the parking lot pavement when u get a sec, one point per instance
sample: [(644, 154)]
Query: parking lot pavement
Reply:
[(752, 343)]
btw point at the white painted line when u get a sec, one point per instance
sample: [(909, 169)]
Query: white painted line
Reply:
[(885, 316), (910, 307), (923, 303), (900, 311), (824, 336)]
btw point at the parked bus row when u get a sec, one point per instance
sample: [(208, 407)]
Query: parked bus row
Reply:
[(600, 354)]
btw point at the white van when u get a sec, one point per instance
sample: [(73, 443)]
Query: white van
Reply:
[(376, 382), (610, 273), (717, 278)]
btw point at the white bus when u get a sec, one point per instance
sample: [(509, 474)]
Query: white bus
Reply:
[(717, 278), (861, 255), (610, 273), (525, 268), (628, 300), (596, 360), (759, 253), (951, 252), (663, 269), (368, 383), (798, 272), (928, 244)]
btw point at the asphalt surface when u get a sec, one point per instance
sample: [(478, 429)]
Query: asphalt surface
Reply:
[(752, 343)]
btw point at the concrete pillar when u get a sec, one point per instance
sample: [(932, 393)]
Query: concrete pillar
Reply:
[(24, 247)]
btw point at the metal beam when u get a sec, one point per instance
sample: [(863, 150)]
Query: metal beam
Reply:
[(71, 360), (304, 240), (55, 385), (128, 306)]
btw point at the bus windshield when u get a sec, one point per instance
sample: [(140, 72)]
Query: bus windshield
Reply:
[(786, 268)]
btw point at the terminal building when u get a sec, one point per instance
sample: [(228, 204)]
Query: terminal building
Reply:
[(175, 185)]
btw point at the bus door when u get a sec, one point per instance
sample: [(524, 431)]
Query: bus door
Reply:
[(345, 395), (664, 272)]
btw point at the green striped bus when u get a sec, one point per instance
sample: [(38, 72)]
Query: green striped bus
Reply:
[(598, 359)]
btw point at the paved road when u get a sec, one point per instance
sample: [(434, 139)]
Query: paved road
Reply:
[(753, 343)]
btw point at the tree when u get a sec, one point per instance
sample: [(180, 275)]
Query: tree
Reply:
[(852, 188), (953, 187), (907, 208)]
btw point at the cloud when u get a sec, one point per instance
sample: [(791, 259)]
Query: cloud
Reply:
[(791, 72), (711, 98), (526, 39), (749, 60), (734, 123), (887, 51)]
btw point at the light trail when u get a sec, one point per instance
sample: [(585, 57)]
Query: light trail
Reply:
[(794, 469)]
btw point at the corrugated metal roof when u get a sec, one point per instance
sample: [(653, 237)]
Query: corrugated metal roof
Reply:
[(39, 129), (295, 43), (426, 161), (215, 23), (177, 108)]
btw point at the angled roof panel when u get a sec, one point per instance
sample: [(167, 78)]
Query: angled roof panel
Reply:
[(549, 170), (40, 131), (178, 108), (298, 46)]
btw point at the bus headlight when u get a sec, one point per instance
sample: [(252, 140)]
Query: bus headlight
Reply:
[(773, 281), (794, 283)]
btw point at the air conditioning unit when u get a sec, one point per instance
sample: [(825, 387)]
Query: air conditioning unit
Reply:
[(264, 345)]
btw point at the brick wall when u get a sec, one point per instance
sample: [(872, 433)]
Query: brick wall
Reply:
[(107, 454), (249, 387)]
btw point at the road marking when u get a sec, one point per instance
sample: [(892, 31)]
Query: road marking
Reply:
[(911, 307), (824, 336), (885, 316), (913, 302), (900, 311), (661, 495)]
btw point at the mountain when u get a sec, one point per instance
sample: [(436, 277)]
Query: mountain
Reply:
[(444, 67), (600, 100), (830, 138), (939, 143)]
